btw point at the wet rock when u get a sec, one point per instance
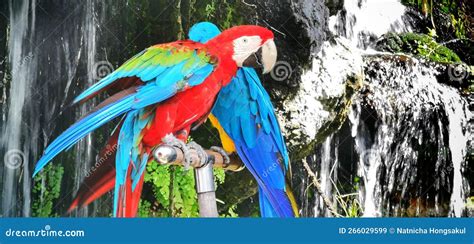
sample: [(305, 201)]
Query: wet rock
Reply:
[(320, 105), (407, 120), (450, 69)]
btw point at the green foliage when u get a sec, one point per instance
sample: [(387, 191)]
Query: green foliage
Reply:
[(347, 199), (210, 9), (231, 212), (458, 26), (350, 206), (470, 203), (144, 208), (452, 8), (46, 190), (420, 45), (225, 13), (219, 176), (173, 191)]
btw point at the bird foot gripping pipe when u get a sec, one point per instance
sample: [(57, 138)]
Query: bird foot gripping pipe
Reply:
[(171, 154), (203, 161)]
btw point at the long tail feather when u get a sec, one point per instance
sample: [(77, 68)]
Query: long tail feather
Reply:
[(128, 199), (102, 178), (83, 128), (268, 173)]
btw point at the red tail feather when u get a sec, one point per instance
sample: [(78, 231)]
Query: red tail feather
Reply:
[(129, 209)]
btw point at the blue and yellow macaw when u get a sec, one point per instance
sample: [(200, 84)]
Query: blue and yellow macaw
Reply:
[(247, 125), (245, 118)]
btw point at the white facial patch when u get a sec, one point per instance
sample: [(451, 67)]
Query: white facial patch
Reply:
[(244, 47)]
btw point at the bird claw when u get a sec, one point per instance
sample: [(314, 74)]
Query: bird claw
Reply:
[(200, 152), (171, 140), (223, 153)]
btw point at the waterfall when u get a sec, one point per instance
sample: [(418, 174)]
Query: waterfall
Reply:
[(84, 154), (458, 140), (23, 65), (48, 67), (408, 131), (328, 172), (363, 21), (417, 138)]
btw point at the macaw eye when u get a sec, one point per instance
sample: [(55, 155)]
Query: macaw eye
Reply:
[(245, 40)]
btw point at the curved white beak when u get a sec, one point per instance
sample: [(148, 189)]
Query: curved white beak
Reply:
[(269, 55)]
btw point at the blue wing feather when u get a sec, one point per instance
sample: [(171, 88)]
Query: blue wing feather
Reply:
[(133, 106), (145, 95), (258, 139), (253, 127)]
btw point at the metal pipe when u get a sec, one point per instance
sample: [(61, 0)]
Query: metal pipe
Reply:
[(169, 155), (203, 173), (206, 191)]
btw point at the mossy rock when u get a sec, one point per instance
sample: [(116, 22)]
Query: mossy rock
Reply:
[(420, 45)]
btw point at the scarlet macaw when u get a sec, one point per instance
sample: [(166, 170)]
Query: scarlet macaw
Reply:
[(246, 121), (165, 90), (102, 179)]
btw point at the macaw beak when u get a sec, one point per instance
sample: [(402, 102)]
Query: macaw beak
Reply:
[(269, 55), (265, 57)]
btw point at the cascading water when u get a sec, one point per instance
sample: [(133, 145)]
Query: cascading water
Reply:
[(328, 173), (23, 65), (84, 153), (407, 132), (45, 64), (364, 21)]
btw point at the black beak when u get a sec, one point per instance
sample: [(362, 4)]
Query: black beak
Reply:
[(254, 60)]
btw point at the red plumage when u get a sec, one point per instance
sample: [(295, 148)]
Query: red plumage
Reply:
[(176, 115)]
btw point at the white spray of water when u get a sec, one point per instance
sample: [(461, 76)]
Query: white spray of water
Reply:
[(457, 144), (364, 21), (23, 64), (328, 173), (84, 154), (399, 97)]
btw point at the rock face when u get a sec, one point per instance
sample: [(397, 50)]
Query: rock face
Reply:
[(417, 121), (320, 105)]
